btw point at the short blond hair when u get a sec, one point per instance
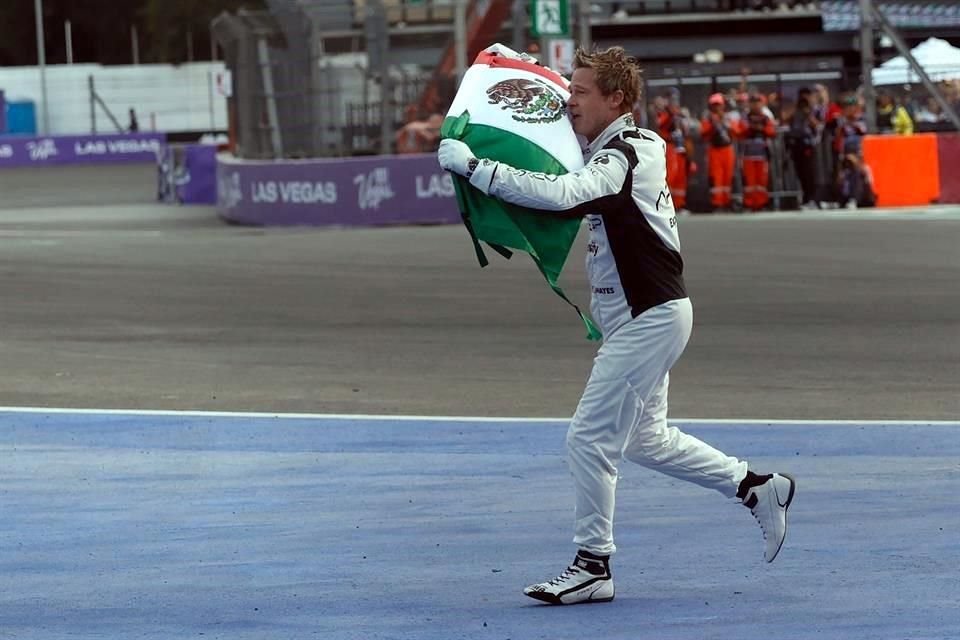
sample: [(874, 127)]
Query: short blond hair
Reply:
[(614, 70)]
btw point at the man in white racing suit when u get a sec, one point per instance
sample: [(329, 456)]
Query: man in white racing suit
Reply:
[(639, 300)]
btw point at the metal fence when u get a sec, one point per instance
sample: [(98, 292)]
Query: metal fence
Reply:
[(293, 97)]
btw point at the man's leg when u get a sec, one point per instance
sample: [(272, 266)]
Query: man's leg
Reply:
[(762, 179), (628, 365), (595, 438), (728, 160), (657, 446), (668, 450)]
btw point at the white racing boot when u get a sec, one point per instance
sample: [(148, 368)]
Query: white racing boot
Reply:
[(768, 502), (588, 579)]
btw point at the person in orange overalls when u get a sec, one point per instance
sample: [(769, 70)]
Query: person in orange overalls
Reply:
[(717, 131), (673, 128), (756, 129)]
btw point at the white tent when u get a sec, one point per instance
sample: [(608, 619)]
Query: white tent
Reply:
[(938, 58)]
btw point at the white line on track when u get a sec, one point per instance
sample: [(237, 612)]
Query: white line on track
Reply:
[(928, 213), (412, 418)]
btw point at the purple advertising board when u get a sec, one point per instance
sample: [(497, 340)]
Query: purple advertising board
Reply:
[(199, 181), (374, 190), (27, 151)]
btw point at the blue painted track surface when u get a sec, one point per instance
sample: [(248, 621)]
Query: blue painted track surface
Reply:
[(188, 526)]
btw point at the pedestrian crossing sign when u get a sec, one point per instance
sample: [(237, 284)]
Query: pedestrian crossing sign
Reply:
[(549, 18)]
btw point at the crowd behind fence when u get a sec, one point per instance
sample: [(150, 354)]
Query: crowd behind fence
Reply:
[(814, 159)]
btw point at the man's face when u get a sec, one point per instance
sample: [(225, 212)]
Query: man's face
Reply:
[(590, 110)]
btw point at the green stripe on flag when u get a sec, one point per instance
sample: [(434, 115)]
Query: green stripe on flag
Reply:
[(546, 236)]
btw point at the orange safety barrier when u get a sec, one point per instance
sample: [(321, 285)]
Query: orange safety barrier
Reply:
[(906, 169), (949, 151)]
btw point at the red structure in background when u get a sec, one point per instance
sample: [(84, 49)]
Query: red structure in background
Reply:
[(948, 149), (482, 30)]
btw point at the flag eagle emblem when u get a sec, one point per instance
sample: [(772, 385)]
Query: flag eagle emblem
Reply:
[(532, 101)]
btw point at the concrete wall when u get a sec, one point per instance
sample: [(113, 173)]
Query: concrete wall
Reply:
[(167, 97)]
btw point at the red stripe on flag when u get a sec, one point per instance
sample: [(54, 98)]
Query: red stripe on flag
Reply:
[(494, 60)]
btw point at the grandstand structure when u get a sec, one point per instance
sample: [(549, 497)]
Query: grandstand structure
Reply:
[(319, 78)]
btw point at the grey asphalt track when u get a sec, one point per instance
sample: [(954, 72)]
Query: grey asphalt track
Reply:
[(111, 301), (131, 524)]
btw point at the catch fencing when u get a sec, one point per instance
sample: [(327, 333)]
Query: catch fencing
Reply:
[(297, 96)]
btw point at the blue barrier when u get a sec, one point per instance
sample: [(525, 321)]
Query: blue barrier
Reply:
[(21, 117)]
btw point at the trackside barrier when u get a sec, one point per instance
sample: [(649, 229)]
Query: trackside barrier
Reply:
[(29, 151), (905, 169), (366, 191), (948, 147), (187, 174), (412, 189)]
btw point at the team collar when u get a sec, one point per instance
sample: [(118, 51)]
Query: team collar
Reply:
[(625, 121)]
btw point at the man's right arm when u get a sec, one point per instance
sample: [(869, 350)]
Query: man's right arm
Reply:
[(603, 176)]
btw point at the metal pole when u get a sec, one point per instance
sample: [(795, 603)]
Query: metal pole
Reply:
[(42, 63), (386, 101), (460, 37), (904, 50), (135, 44), (866, 64), (583, 20), (210, 98), (519, 25), (386, 87), (68, 34), (93, 104), (263, 52)]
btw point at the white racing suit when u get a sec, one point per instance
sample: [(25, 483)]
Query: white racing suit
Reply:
[(639, 300)]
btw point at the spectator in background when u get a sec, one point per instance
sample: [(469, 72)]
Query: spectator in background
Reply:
[(756, 130), (774, 106), (951, 91), (802, 139), (828, 112), (850, 127), (652, 114), (852, 172), (930, 112), (825, 109), (717, 130), (418, 135), (743, 105), (892, 117), (134, 126), (673, 128), (855, 183)]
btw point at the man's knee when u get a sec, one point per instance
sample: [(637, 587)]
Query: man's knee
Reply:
[(588, 452), (647, 440)]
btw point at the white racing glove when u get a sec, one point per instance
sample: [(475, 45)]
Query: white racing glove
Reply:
[(457, 157)]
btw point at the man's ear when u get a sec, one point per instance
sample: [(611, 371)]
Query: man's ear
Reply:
[(617, 98)]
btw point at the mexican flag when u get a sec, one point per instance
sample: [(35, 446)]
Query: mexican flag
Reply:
[(513, 110)]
